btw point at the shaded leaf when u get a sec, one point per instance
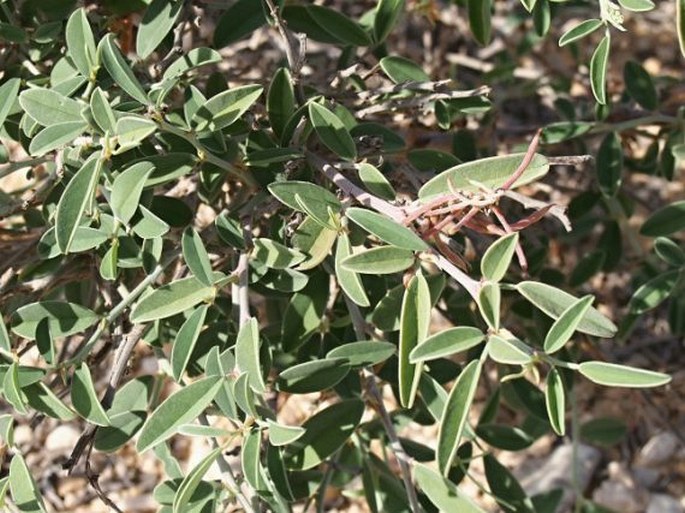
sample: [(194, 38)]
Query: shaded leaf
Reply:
[(497, 258), (247, 355), (665, 221), (238, 21), (185, 341), (127, 189), (414, 324), (380, 260), (158, 20), (332, 131), (81, 42), (119, 70), (192, 480), (387, 14), (25, 492), (196, 257), (122, 427), (225, 108), (654, 292), (64, 318), (348, 280), (364, 352), (443, 493), (171, 299), (313, 376), (85, 399)]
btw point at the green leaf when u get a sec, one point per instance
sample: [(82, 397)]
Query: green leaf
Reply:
[(76, 197), (225, 108), (375, 182), (363, 353), (196, 257), (640, 86), (171, 299), (598, 69), (504, 437), (47, 107), (332, 131), (8, 95), (584, 28), (275, 255), (119, 70), (480, 20), (158, 20), (192, 480), (509, 350), (614, 375), (122, 427), (489, 299), (81, 43), (6, 433), (654, 292), (85, 399), (11, 388), (456, 414), (605, 431), (555, 400), (280, 100), (665, 221), (349, 281), (130, 131), (195, 58), (185, 341), (313, 376), (414, 323), (610, 164), (102, 112), (247, 356), (250, 462), (446, 343), (280, 434), (669, 251), (5, 342), (386, 229), (497, 258), (637, 5), (55, 136), (42, 399), (506, 489), (325, 433), (149, 226), (25, 492), (302, 317), (443, 493), (338, 25), (127, 189), (380, 260), (387, 14), (64, 318), (401, 70), (554, 301), (181, 407), (492, 172), (567, 323), (529, 4), (238, 21)]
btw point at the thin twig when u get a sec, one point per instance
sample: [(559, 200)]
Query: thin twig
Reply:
[(372, 387)]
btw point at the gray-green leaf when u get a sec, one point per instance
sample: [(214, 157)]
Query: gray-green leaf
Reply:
[(615, 375)]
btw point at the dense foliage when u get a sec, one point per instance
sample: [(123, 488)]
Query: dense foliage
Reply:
[(277, 233)]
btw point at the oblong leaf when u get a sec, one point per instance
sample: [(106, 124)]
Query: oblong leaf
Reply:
[(502, 436), (171, 299), (247, 355), (480, 20), (579, 31), (56, 136), (442, 492), (238, 21), (48, 107), (332, 131), (555, 400), (9, 91), (414, 324), (654, 292), (80, 42), (598, 70), (446, 343), (275, 255), (610, 164), (489, 299), (498, 256), (325, 433), (122, 427), (225, 108), (280, 100), (375, 182), (386, 229), (364, 352), (338, 25), (85, 399), (127, 189), (193, 59), (492, 172), (64, 318), (25, 491), (637, 5), (102, 112), (387, 14), (680, 24), (192, 480), (130, 131), (313, 376), (615, 375), (349, 281), (179, 408), (119, 70), (75, 199), (158, 20), (554, 301), (400, 69), (185, 341), (509, 350), (455, 415), (317, 199), (563, 328), (380, 260), (196, 257), (640, 85), (665, 221), (280, 434), (506, 489)]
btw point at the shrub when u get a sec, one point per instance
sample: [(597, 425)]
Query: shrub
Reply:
[(269, 233)]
